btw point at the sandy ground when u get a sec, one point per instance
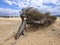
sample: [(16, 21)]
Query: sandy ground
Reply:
[(42, 36)]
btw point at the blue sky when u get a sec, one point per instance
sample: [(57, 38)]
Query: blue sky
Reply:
[(12, 7)]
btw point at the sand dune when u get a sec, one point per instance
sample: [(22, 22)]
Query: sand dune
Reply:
[(42, 36)]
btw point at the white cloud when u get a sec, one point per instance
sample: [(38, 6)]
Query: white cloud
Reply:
[(9, 12), (15, 3), (56, 10), (9, 2), (50, 1), (45, 8), (36, 4), (31, 2), (53, 11)]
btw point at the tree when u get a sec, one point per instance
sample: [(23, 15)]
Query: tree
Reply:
[(47, 13), (35, 18), (33, 15)]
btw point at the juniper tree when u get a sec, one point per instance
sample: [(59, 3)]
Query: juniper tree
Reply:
[(33, 17)]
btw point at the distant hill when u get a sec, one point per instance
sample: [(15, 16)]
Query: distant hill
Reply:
[(9, 16), (57, 15), (19, 16)]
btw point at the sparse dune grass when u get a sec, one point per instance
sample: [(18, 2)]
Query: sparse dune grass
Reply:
[(41, 36)]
